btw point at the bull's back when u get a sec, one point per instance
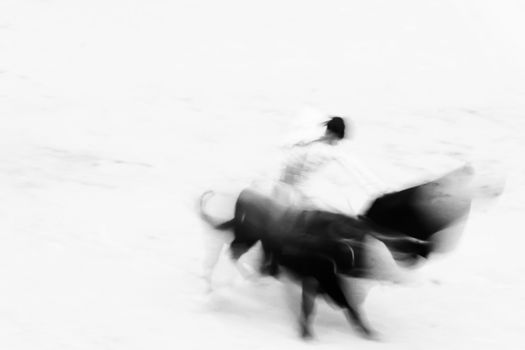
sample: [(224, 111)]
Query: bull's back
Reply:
[(260, 215)]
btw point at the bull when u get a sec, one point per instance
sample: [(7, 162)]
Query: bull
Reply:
[(318, 248)]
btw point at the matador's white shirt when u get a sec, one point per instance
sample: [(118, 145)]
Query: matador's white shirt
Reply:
[(328, 177)]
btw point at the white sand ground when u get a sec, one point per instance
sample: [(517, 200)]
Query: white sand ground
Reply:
[(115, 115)]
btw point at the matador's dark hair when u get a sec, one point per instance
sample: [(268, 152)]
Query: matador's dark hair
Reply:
[(336, 125)]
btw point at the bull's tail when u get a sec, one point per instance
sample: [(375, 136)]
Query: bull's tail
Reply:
[(208, 218)]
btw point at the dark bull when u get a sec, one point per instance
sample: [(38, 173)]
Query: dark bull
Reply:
[(319, 247)]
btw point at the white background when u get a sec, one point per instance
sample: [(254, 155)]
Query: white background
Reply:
[(115, 115)]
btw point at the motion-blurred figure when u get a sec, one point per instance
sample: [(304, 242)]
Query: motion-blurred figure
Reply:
[(303, 182), (333, 249)]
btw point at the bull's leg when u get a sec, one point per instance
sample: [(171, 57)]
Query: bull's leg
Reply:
[(214, 245), (309, 292), (269, 264), (331, 285), (210, 262), (265, 259), (237, 249)]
